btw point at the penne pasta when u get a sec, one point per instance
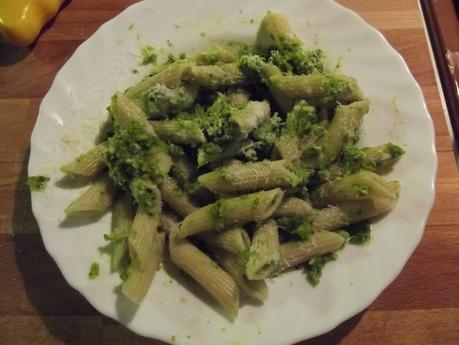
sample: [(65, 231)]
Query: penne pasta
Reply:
[(206, 273), (175, 198), (296, 252), (257, 289), (179, 131), (170, 76), (144, 230), (343, 127), (89, 164), (138, 281), (126, 112), (123, 215), (95, 200), (293, 206), (250, 177), (274, 30), (251, 115), (216, 76), (264, 258), (226, 212), (315, 86), (233, 241), (215, 54)]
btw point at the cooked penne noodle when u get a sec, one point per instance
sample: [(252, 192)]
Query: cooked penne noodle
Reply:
[(175, 198), (264, 258), (249, 117), (250, 177), (274, 30), (238, 98), (205, 157), (127, 112), (233, 241), (95, 200), (293, 206), (254, 288), (183, 170), (226, 212), (160, 100), (316, 86), (288, 147), (123, 214), (144, 230), (330, 218), (346, 121), (364, 185), (170, 76), (216, 76), (215, 54), (320, 243), (179, 131), (88, 164), (206, 273), (138, 281)]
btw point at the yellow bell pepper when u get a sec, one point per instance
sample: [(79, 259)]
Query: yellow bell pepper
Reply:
[(22, 20)]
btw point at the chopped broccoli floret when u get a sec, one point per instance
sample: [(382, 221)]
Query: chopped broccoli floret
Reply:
[(315, 266), (37, 183)]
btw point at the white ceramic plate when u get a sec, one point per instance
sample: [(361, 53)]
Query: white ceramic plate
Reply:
[(74, 109)]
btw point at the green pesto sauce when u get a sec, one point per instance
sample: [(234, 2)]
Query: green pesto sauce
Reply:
[(394, 102), (268, 131), (93, 270), (245, 255), (359, 233), (291, 57), (148, 55), (334, 86), (209, 57), (128, 158), (300, 119), (37, 183), (161, 100), (315, 266), (298, 225), (395, 150), (361, 189), (217, 211), (352, 158), (116, 235)]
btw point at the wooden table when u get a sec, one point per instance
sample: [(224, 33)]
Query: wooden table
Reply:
[(38, 307)]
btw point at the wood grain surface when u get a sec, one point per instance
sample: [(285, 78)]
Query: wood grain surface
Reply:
[(37, 306)]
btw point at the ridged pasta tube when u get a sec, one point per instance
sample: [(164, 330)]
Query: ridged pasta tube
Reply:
[(88, 164), (144, 230), (138, 281), (233, 241), (226, 212), (254, 288), (179, 131), (122, 217), (216, 76), (249, 117), (95, 200), (320, 243), (264, 258), (175, 198), (314, 86), (292, 207), (206, 273), (250, 177), (274, 29), (345, 122)]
